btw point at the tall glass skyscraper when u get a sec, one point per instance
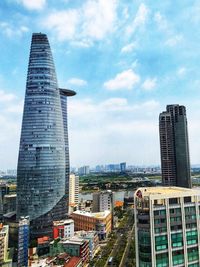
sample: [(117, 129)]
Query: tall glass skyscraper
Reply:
[(174, 147), (43, 163)]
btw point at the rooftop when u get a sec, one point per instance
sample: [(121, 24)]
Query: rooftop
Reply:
[(63, 222), (97, 215), (67, 92), (165, 192), (73, 240)]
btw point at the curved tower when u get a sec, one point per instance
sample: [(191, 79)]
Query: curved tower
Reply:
[(43, 163)]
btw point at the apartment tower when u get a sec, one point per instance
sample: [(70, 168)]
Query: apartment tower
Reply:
[(174, 147), (43, 162)]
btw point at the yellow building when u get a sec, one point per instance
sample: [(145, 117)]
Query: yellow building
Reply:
[(99, 221), (4, 232)]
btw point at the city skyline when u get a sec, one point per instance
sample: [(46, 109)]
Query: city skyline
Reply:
[(127, 62)]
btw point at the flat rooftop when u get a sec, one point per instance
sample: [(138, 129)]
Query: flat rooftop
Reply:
[(63, 222), (97, 215), (166, 192)]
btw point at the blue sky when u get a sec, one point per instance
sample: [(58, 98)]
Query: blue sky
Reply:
[(125, 59)]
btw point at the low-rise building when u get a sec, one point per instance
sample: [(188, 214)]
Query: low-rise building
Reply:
[(63, 228), (73, 246), (93, 239), (99, 221)]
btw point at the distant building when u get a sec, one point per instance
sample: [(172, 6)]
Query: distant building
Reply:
[(63, 229), (113, 168), (4, 235), (99, 221), (167, 226), (23, 241), (93, 239), (73, 192), (85, 170), (12, 172), (102, 201), (174, 147), (100, 168), (123, 167)]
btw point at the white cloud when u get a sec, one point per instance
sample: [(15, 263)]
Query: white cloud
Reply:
[(124, 80), (6, 97), (76, 81), (181, 71), (33, 4), (139, 20), (128, 48), (113, 128), (11, 31), (149, 84), (94, 20), (99, 18), (114, 104), (174, 40), (64, 23), (161, 21)]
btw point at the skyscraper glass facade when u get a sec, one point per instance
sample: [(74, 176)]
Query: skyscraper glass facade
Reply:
[(174, 147), (43, 163)]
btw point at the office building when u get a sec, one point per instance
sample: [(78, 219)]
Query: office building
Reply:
[(23, 241), (167, 225), (174, 148), (63, 229), (84, 170), (43, 162), (73, 192), (123, 167), (102, 201), (99, 221)]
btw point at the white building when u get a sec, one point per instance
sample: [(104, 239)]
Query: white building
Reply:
[(63, 229), (102, 201)]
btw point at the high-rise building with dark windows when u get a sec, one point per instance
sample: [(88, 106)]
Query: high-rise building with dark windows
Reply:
[(43, 162), (174, 147)]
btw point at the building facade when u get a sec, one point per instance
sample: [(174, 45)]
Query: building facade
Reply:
[(4, 234), (23, 242), (102, 201), (167, 223), (63, 229), (93, 239), (99, 221), (73, 192), (174, 147), (43, 162), (73, 246)]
